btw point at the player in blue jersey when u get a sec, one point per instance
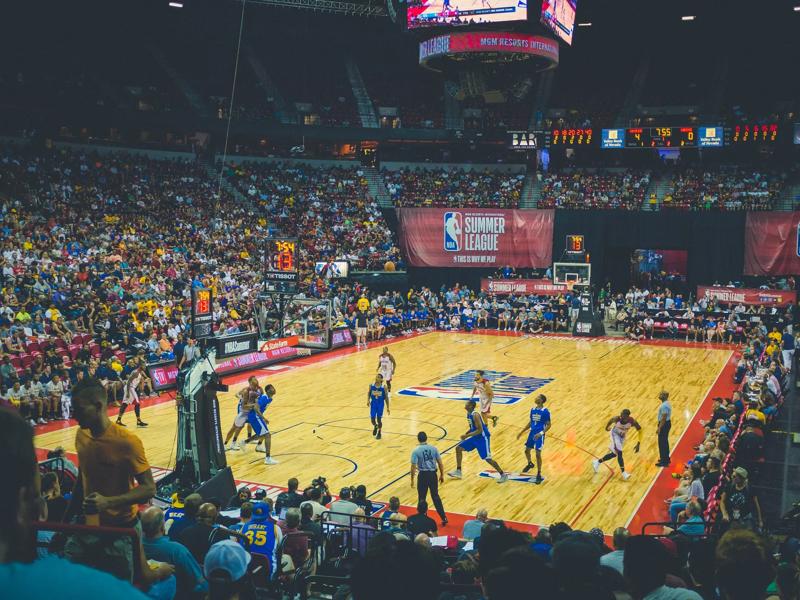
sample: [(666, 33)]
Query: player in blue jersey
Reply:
[(248, 397), (377, 399), (537, 426), (477, 438), (265, 441), (256, 420)]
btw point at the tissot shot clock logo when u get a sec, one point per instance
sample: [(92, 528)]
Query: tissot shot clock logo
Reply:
[(452, 231)]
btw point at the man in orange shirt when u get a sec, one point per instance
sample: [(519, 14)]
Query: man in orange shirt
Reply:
[(112, 462)]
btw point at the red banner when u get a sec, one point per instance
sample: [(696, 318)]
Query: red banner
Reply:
[(476, 237), (748, 295), (772, 243), (543, 287), (278, 343)]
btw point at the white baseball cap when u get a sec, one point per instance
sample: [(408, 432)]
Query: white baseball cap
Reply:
[(227, 556)]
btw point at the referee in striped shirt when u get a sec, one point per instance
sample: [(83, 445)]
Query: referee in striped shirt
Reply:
[(424, 461)]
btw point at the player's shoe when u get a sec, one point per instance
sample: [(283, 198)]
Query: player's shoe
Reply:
[(456, 474), (539, 479), (596, 465), (503, 478), (241, 445), (527, 468), (260, 448), (141, 424), (232, 447), (374, 430), (377, 437), (625, 476), (268, 460), (120, 423)]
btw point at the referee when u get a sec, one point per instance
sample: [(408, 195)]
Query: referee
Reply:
[(664, 425), (425, 458)]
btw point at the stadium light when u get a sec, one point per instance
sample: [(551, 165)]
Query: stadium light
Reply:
[(584, 24), (796, 8), (688, 18), (176, 4)]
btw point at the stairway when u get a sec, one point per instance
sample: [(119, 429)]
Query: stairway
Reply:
[(283, 112), (660, 185), (366, 110), (195, 100), (377, 187), (631, 102), (531, 191), (214, 175), (453, 111), (541, 99)]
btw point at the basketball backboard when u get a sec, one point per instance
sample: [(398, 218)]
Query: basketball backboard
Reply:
[(574, 273)]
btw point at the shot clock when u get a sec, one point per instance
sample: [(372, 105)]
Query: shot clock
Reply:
[(281, 265), (202, 313)]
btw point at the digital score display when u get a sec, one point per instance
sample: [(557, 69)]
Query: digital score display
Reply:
[(747, 134), (202, 313), (660, 137), (281, 273), (579, 136)]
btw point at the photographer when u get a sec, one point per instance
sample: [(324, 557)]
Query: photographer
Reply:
[(320, 484), (315, 498)]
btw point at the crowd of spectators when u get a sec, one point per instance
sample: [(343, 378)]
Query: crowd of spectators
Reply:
[(723, 189), (454, 188), (598, 189), (100, 252)]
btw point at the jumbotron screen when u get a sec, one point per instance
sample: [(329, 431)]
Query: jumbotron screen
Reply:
[(438, 13), (559, 15)]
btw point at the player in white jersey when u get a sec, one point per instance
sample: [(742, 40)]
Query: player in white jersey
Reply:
[(386, 366), (618, 428), (485, 393), (130, 395), (248, 397)]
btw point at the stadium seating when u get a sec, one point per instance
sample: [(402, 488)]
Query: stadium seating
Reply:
[(453, 187), (583, 189)]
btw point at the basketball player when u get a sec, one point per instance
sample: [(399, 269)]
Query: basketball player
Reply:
[(256, 420), (248, 396), (386, 366), (377, 397), (477, 438), (486, 394), (539, 424), (130, 395), (264, 400), (619, 426)]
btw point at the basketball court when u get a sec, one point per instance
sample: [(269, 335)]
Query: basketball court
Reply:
[(320, 420)]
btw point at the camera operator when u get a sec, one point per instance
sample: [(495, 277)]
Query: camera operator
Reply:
[(317, 496)]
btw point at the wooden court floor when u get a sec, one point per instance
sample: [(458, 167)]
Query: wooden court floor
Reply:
[(320, 421)]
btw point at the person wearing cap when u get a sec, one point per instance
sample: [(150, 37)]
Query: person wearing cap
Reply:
[(739, 503), (226, 568), (341, 508), (263, 534), (157, 546), (177, 509)]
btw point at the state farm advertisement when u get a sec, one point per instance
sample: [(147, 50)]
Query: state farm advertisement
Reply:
[(467, 237), (543, 287), (748, 295)]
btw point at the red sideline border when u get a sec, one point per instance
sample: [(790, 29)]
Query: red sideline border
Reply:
[(650, 509)]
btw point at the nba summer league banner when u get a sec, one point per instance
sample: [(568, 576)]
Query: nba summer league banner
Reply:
[(772, 243), (476, 237)]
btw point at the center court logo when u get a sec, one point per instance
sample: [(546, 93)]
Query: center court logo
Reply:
[(508, 388), (452, 231)]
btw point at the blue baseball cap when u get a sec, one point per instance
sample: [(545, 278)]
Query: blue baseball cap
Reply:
[(261, 511), (227, 556)]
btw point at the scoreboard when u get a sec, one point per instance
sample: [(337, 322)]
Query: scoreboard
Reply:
[(705, 136), (660, 137), (202, 313), (281, 272)]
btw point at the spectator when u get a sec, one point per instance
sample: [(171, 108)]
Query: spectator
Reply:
[(739, 503), (694, 525), (645, 568), (226, 569), (383, 574), (361, 532), (263, 534), (201, 535), (245, 514), (743, 564), (51, 492), (20, 575), (190, 507), (615, 559), (157, 546), (342, 507), (296, 541), (472, 528), (315, 495), (290, 498), (421, 522)]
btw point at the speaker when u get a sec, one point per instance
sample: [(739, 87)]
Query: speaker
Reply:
[(221, 486)]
